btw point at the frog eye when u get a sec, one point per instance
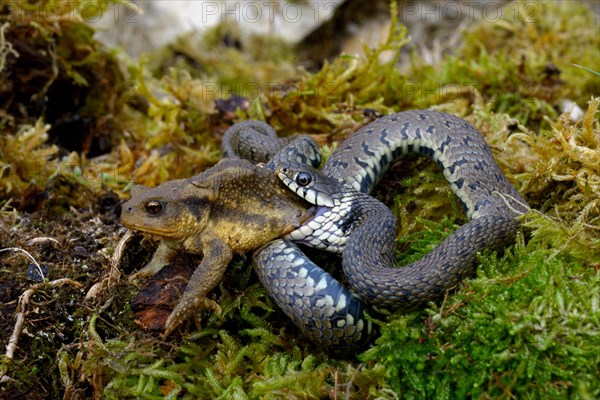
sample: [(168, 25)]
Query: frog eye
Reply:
[(153, 207), (303, 178)]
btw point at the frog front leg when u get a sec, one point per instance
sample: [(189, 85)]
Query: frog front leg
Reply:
[(162, 256), (206, 277)]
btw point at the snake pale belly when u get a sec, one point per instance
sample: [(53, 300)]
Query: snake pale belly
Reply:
[(362, 229)]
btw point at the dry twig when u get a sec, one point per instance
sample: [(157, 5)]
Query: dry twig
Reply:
[(22, 307)]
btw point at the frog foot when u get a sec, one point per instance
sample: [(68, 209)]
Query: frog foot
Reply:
[(150, 269), (187, 308), (160, 258)]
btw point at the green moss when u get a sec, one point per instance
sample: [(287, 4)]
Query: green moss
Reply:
[(526, 327)]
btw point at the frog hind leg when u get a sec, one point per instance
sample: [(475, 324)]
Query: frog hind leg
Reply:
[(206, 277)]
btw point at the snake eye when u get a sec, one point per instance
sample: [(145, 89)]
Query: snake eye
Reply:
[(153, 207), (303, 178)]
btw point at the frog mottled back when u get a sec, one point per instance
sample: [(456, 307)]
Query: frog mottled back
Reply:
[(253, 207)]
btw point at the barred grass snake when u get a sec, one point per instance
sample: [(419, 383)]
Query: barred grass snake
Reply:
[(362, 229)]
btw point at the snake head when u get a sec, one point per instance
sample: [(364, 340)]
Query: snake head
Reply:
[(309, 183), (333, 201)]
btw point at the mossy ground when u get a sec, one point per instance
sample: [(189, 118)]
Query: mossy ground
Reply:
[(526, 326)]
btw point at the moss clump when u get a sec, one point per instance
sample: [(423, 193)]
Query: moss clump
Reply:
[(59, 94), (239, 355), (527, 326), (57, 71), (521, 61)]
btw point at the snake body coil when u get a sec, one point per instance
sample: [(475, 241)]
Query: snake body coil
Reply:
[(363, 229)]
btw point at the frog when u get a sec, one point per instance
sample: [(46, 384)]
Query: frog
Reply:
[(232, 208)]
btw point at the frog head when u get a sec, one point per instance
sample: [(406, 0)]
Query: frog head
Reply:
[(172, 210)]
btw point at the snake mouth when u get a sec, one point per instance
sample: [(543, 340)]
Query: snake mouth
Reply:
[(317, 215), (321, 211), (313, 226)]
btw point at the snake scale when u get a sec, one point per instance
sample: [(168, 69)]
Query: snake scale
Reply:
[(349, 221)]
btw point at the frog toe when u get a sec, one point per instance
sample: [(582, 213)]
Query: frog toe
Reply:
[(211, 305), (187, 309)]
